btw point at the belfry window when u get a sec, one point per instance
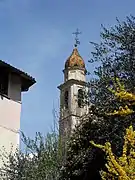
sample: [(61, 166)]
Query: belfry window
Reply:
[(80, 98), (66, 99)]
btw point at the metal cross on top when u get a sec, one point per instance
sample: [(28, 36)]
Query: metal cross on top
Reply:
[(76, 37)]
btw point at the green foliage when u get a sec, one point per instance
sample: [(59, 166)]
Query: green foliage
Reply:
[(39, 161), (84, 161), (123, 167), (116, 56)]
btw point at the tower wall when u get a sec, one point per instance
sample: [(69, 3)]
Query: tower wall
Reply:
[(71, 108), (73, 113), (77, 74)]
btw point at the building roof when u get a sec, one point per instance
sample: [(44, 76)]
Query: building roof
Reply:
[(75, 60), (26, 79)]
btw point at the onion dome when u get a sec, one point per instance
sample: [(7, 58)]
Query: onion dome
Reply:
[(75, 60)]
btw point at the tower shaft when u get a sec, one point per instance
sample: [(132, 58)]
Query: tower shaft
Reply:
[(72, 96)]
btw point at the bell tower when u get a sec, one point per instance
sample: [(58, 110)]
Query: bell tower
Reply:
[(72, 92)]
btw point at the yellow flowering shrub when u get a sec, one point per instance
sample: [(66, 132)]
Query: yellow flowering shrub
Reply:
[(120, 91), (121, 94), (121, 168), (122, 111)]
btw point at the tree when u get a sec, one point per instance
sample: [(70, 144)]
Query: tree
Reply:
[(41, 159), (121, 168), (116, 54)]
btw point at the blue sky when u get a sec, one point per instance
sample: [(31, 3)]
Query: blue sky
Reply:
[(36, 36)]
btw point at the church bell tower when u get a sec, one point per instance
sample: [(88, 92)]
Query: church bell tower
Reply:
[(72, 106)]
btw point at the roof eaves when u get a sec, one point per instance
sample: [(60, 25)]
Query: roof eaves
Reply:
[(20, 72)]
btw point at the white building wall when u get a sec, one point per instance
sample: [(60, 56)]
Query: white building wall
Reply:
[(9, 123), (10, 111)]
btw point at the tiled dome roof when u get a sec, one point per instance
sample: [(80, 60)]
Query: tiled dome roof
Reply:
[(75, 60)]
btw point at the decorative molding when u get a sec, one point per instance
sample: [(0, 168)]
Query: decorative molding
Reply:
[(71, 82)]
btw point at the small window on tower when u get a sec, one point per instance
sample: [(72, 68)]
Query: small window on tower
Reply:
[(80, 98), (66, 99)]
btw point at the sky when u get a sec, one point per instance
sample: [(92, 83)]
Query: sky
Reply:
[(36, 37)]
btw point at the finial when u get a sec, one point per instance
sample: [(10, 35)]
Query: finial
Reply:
[(76, 37)]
